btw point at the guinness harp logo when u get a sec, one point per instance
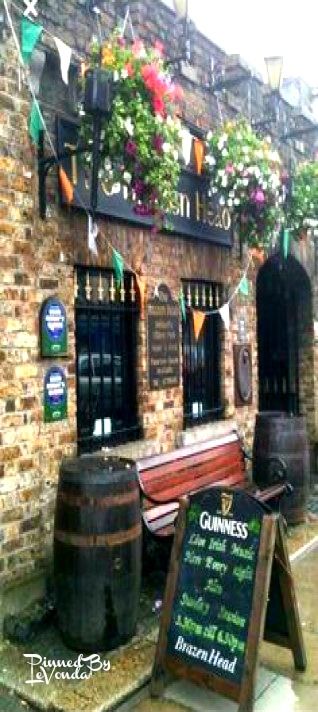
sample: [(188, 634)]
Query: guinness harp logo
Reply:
[(226, 503)]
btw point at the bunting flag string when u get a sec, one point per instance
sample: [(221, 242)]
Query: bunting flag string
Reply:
[(65, 54), (118, 266), (198, 321), (30, 35), (92, 232), (35, 123), (182, 305), (244, 287), (286, 242), (225, 315), (66, 185)]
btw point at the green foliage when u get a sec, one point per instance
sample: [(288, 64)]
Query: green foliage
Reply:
[(142, 139), (246, 174), (303, 208)]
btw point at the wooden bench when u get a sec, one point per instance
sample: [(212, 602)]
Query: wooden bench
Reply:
[(163, 479)]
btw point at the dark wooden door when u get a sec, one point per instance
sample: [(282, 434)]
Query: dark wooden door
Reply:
[(277, 332)]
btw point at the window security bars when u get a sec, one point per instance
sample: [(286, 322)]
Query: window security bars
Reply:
[(201, 359), (106, 343)]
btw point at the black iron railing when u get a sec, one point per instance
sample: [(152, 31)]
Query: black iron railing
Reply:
[(201, 359), (106, 318)]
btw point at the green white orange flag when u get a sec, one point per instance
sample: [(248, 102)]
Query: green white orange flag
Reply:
[(30, 34), (35, 123), (198, 321), (118, 266)]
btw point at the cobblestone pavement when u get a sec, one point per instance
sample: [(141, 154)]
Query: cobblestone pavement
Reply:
[(9, 702)]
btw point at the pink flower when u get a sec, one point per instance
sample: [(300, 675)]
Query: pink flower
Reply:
[(131, 148), (138, 48), (258, 196), (229, 169), (157, 143)]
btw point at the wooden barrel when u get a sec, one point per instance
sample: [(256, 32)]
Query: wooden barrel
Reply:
[(283, 436), (97, 552)]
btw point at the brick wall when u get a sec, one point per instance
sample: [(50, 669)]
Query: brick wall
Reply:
[(37, 260)]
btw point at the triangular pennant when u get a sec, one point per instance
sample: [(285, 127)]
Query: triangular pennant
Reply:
[(30, 34), (142, 286), (65, 53), (244, 287), (92, 232), (118, 266), (182, 305), (225, 315), (66, 186), (258, 254), (198, 154), (186, 145), (35, 123), (286, 242), (198, 321)]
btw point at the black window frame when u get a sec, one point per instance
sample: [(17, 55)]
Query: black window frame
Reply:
[(106, 334), (201, 359)]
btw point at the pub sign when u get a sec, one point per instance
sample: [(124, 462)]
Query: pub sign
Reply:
[(53, 328)]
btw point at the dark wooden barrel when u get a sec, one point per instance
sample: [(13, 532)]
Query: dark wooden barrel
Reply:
[(97, 552), (280, 435)]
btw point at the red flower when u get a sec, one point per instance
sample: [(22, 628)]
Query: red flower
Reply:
[(129, 69), (158, 105)]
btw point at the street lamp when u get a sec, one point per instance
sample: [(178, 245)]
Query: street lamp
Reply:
[(274, 68), (181, 8)]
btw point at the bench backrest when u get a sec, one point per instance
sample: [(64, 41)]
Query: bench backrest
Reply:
[(170, 476)]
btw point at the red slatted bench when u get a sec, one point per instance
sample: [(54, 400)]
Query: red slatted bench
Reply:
[(163, 479)]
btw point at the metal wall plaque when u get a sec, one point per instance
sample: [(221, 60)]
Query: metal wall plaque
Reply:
[(53, 328), (163, 340), (243, 374), (55, 395)]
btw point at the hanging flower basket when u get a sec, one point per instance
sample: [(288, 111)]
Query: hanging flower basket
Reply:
[(303, 205), (246, 174), (141, 139)]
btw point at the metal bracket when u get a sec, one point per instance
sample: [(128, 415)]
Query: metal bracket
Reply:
[(45, 163)]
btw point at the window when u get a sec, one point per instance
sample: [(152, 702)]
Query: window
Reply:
[(201, 359), (106, 336)]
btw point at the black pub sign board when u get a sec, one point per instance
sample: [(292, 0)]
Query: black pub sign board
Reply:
[(163, 322), (199, 213), (214, 611)]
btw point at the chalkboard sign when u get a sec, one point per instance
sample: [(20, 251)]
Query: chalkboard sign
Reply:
[(163, 340), (217, 594), (53, 328), (55, 395), (209, 624)]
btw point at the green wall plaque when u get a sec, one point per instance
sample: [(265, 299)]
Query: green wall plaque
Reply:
[(55, 395), (53, 328)]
